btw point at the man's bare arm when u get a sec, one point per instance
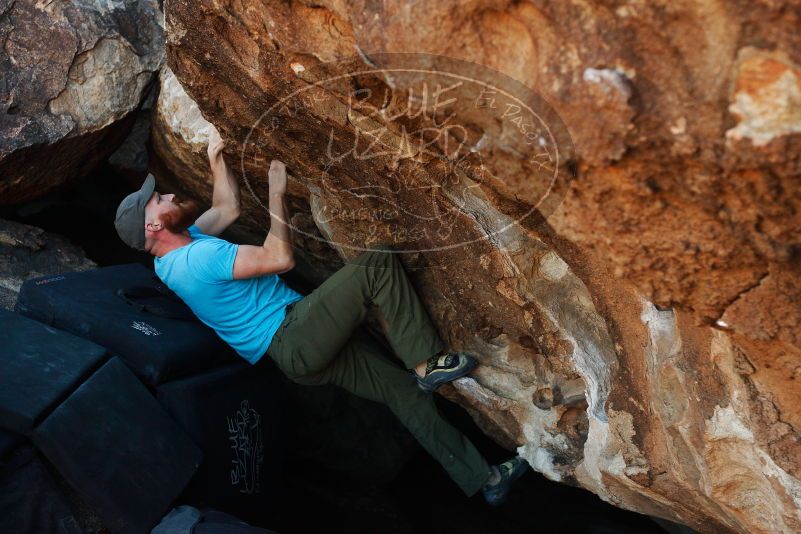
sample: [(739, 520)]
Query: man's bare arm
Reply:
[(225, 202), (276, 254)]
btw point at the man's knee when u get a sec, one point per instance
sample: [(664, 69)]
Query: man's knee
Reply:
[(295, 367), (306, 377), (378, 254)]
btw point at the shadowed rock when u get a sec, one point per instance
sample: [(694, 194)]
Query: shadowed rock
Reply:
[(71, 73), (28, 252)]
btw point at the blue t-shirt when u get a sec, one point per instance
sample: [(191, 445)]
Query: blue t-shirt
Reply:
[(244, 313)]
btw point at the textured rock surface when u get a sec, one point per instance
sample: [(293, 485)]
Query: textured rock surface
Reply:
[(62, 97), (640, 340), (131, 158), (28, 252), (180, 135)]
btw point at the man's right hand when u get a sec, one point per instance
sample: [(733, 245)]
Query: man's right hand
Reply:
[(277, 177), (275, 255), (216, 143)]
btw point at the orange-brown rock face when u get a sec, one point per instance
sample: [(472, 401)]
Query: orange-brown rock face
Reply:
[(601, 201)]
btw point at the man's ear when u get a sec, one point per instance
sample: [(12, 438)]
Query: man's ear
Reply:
[(154, 226)]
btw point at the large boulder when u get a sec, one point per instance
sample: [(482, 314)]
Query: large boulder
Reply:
[(636, 316), (71, 74)]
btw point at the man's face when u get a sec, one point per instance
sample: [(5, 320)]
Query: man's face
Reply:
[(169, 212)]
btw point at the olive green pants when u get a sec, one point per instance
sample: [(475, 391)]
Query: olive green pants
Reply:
[(322, 341)]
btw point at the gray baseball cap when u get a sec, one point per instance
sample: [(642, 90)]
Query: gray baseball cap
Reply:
[(130, 221)]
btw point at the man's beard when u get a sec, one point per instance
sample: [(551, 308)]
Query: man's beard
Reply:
[(179, 221)]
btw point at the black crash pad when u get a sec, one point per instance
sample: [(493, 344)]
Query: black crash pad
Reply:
[(115, 445), (9, 441), (156, 347), (235, 414), (39, 367), (30, 499)]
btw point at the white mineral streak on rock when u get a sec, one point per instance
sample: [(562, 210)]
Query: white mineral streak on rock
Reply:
[(552, 266), (738, 473), (603, 450), (539, 426), (726, 425), (568, 305), (481, 143), (180, 113), (791, 484), (609, 444), (597, 458), (539, 441), (593, 367), (608, 79), (679, 127), (769, 103), (774, 111), (734, 482), (565, 301), (664, 348), (482, 396)]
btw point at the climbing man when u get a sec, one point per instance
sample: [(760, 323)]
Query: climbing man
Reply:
[(319, 338)]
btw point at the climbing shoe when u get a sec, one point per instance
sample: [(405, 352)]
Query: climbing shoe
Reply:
[(510, 470), (443, 368)]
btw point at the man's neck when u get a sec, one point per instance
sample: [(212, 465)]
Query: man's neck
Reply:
[(170, 242)]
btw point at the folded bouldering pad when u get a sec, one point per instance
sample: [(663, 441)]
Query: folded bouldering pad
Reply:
[(235, 414), (115, 445), (30, 499), (39, 367), (128, 310), (9, 441), (190, 520)]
